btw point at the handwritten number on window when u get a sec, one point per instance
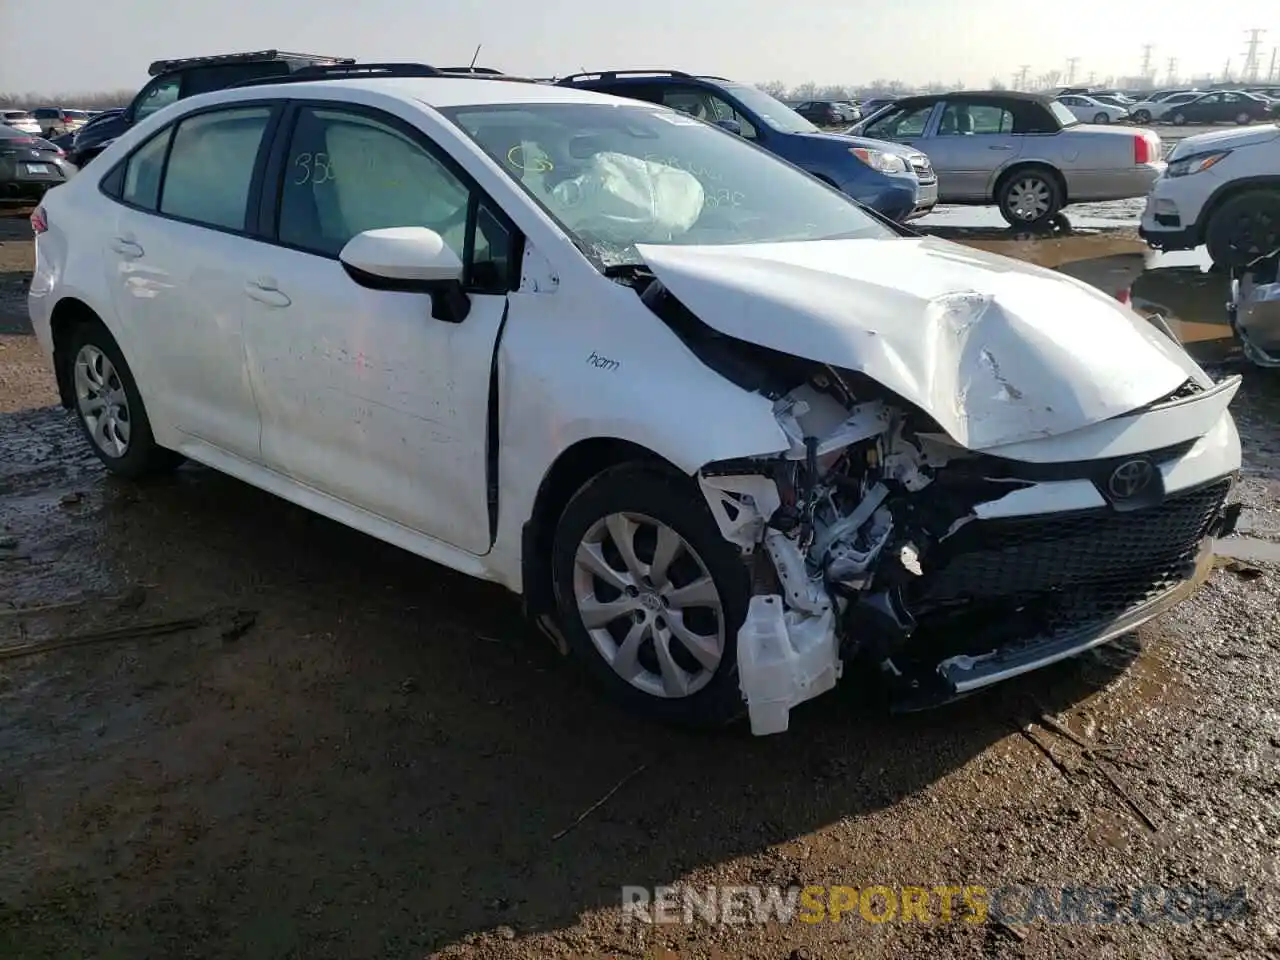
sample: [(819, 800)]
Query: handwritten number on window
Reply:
[(313, 168)]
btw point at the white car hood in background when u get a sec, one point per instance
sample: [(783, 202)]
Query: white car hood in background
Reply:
[(997, 351)]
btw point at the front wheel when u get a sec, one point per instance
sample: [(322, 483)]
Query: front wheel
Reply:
[(1179, 120), (1245, 227), (109, 407), (1029, 197), (1101, 118), (1142, 116), (651, 596), (1243, 118)]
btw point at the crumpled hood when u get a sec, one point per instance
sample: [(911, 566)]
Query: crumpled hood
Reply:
[(1224, 140), (996, 350)]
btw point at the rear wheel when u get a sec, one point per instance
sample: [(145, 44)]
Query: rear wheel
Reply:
[(1101, 118), (1142, 116), (1243, 118), (1029, 197), (1179, 119), (109, 407), (1244, 228), (651, 596)]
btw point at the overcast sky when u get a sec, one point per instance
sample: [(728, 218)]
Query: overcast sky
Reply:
[(83, 45)]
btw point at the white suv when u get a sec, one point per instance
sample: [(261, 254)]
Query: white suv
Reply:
[(1221, 189), (723, 429)]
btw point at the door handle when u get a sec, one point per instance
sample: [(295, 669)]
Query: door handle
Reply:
[(127, 248), (997, 146), (265, 291)]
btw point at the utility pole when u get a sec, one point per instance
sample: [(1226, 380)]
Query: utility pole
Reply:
[(1271, 72), (1226, 71), (1173, 71), (1020, 78), (1250, 72), (1071, 69), (1146, 60), (1092, 76)]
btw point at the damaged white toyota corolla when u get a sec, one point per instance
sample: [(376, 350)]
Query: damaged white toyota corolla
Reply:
[(724, 430)]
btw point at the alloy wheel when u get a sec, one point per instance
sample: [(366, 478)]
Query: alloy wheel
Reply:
[(101, 401), (649, 605), (1029, 199)]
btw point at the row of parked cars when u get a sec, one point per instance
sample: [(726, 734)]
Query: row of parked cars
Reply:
[(1176, 106), (1022, 152), (730, 436)]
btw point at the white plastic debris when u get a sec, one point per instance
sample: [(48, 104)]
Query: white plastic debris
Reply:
[(784, 659)]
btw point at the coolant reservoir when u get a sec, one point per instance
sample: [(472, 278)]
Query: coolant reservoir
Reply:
[(783, 659)]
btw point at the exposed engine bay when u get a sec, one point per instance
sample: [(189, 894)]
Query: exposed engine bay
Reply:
[(862, 541)]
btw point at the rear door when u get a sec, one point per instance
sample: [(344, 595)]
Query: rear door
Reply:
[(971, 140), (178, 257)]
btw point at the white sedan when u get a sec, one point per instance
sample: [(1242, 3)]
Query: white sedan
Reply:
[(725, 431), (1088, 110), (1150, 110)]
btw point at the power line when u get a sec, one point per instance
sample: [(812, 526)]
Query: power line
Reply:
[(1250, 72), (1146, 59)]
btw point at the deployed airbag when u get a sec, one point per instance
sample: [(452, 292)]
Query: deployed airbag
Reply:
[(628, 198)]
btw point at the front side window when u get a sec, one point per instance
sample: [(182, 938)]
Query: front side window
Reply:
[(705, 105), (346, 173), (156, 97), (617, 176), (902, 123), (211, 165)]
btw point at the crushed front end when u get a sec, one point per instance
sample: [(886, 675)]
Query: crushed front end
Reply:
[(877, 539)]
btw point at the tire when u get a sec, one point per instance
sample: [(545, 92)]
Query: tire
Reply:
[(1243, 118), (1179, 120), (1034, 191), (1142, 116), (121, 435), (1245, 227), (630, 502), (1101, 118)]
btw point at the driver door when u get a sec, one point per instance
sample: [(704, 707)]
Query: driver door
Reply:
[(363, 395)]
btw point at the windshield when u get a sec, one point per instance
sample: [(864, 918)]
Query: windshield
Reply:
[(617, 176), (1065, 116), (773, 112)]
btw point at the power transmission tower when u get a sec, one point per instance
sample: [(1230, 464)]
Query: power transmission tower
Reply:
[(1020, 78), (1226, 71), (1250, 72), (1271, 72), (1173, 71), (1146, 59), (1071, 69)]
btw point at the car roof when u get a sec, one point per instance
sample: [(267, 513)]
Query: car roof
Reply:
[(1039, 98), (433, 91)]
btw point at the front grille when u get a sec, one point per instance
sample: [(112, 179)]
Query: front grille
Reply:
[(923, 169), (1024, 557)]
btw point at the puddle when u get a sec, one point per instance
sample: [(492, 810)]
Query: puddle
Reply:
[(1249, 549)]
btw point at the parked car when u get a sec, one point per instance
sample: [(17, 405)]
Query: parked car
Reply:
[(1158, 104), (827, 113), (896, 182), (1093, 110), (1023, 152), (729, 434), (21, 120), (1221, 106), (1221, 189), (55, 121), (29, 165), (174, 80), (873, 105)]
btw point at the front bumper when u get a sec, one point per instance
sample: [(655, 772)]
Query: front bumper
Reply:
[(1170, 218), (891, 196)]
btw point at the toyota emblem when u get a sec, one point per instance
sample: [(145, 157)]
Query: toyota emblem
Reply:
[(1130, 479)]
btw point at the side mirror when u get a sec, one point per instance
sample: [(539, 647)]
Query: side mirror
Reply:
[(733, 126), (409, 260)]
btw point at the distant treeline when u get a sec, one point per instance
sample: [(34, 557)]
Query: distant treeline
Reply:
[(102, 100)]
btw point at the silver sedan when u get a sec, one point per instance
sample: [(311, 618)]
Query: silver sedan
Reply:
[(1023, 152)]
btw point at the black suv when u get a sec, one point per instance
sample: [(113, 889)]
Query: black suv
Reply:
[(178, 79)]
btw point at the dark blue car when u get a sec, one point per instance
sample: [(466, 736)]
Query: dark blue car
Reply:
[(895, 181)]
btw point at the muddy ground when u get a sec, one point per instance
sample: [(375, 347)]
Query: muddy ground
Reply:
[(329, 748)]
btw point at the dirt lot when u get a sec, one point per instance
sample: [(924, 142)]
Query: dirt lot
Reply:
[(329, 748)]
